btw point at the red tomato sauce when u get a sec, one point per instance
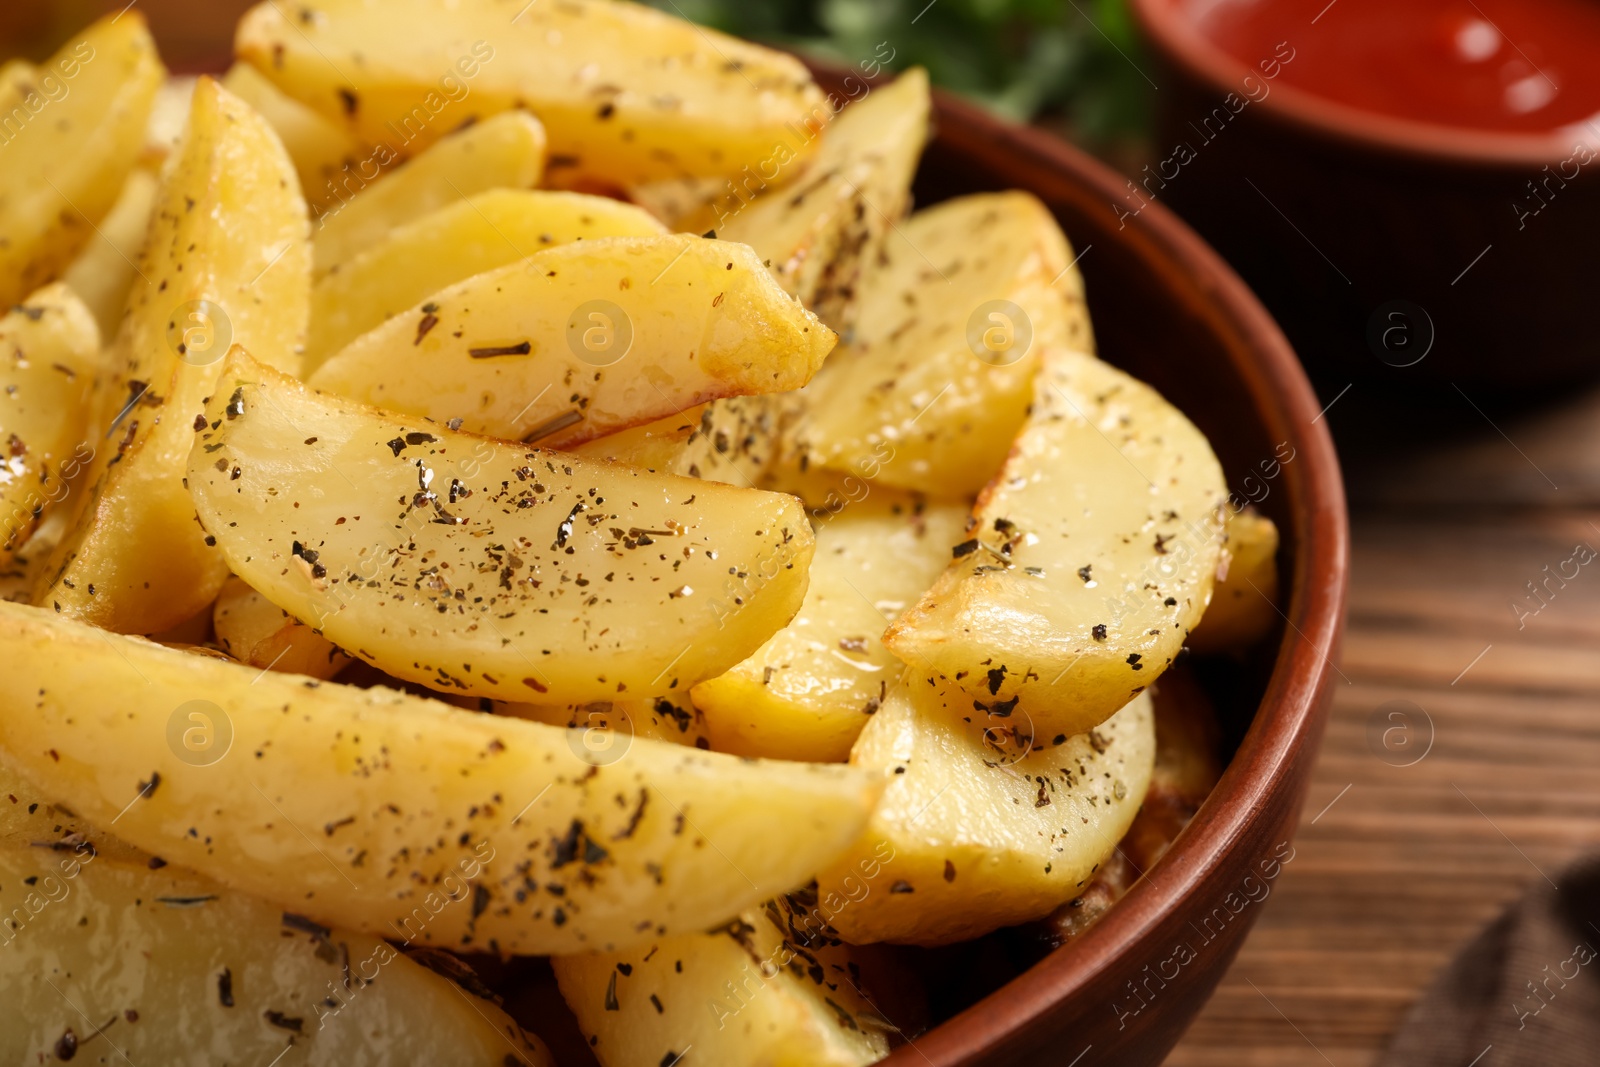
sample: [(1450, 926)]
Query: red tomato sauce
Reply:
[(1527, 66)]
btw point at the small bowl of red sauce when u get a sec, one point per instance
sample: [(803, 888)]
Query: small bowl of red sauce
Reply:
[(1412, 186)]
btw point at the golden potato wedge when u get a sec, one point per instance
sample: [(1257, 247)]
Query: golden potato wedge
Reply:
[(583, 340), (819, 230), (982, 826), (188, 967), (254, 630), (96, 931), (459, 240), (484, 567), (826, 492), (104, 272), (1187, 766), (70, 130), (629, 95), (1092, 555), (384, 193), (1186, 769), (16, 74), (192, 633), (684, 204), (809, 690), (227, 255), (169, 116), (1243, 605), (770, 989), (731, 440), (608, 727), (949, 334), (445, 826), (19, 576), (49, 363), (654, 446), (29, 820), (319, 149)]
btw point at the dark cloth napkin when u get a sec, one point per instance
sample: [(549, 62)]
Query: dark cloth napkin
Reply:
[(1524, 993)]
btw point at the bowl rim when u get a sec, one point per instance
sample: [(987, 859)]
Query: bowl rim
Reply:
[(1290, 716), (1176, 36)]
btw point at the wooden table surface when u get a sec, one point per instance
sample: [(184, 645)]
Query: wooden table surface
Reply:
[(1453, 510)]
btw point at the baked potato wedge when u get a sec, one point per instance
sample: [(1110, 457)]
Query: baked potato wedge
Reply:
[(825, 492), (982, 826), (587, 339), (949, 332), (49, 366), (456, 241), (105, 270), (227, 255), (770, 989), (808, 691), (685, 205), (254, 630), (19, 575), (1187, 766), (169, 117), (1091, 557), (1244, 603), (365, 808), (608, 727), (1186, 769), (484, 567), (16, 74), (73, 129), (29, 820), (98, 933), (505, 152), (629, 94), (731, 440), (319, 149), (819, 230)]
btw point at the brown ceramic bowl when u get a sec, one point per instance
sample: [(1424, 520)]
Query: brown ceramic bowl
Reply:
[(1335, 216), (1167, 309)]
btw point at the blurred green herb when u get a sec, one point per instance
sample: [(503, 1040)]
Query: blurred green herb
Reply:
[(1070, 63)]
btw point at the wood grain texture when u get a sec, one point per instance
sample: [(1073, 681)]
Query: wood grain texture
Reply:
[(1450, 520)]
